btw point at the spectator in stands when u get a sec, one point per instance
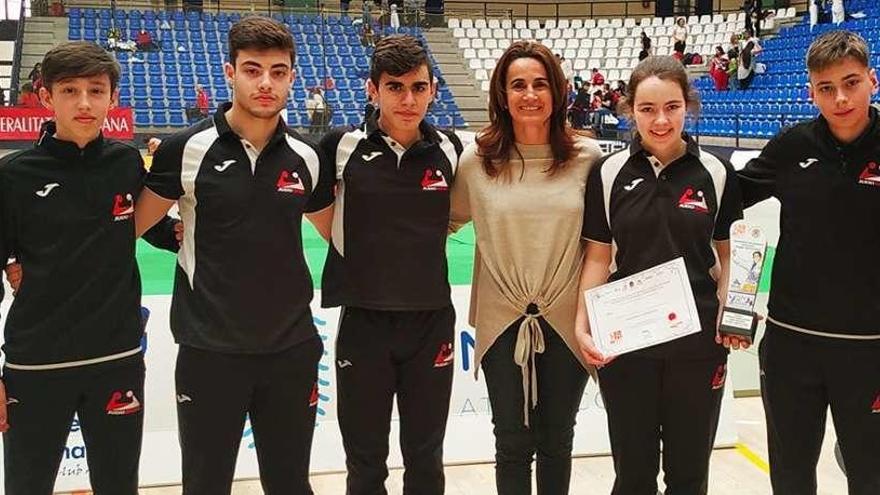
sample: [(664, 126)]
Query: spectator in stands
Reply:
[(678, 53), (680, 35), (734, 42), (366, 14), (814, 13), (748, 7), (750, 37), (619, 93), (732, 68), (116, 41), (316, 107), (394, 18), (145, 42), (203, 103), (114, 36), (599, 111), (608, 100), (580, 109), (670, 394), (2, 97), (28, 98), (597, 79), (367, 36), (527, 275), (746, 66), (838, 12), (646, 43), (35, 76), (758, 13), (567, 69), (718, 69), (344, 6)]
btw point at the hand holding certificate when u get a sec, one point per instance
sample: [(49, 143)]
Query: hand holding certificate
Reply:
[(648, 308)]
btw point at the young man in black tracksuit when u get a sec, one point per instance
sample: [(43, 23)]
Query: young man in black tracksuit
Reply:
[(73, 333), (822, 345), (387, 267), (240, 312)]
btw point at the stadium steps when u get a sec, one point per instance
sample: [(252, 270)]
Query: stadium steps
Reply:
[(41, 34), (470, 100)]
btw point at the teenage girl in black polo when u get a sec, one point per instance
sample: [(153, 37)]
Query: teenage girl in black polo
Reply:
[(666, 198)]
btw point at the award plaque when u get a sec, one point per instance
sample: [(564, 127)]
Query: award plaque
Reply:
[(748, 245)]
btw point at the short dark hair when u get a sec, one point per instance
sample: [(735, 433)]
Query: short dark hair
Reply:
[(78, 59), (397, 55), (260, 33), (834, 46)]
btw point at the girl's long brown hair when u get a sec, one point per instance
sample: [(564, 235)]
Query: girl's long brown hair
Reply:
[(496, 142)]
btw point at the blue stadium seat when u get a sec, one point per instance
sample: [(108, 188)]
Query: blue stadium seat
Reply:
[(141, 118), (160, 119)]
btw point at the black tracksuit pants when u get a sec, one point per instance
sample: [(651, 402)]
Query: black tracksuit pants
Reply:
[(107, 398), (380, 354), (670, 400), (549, 437), (217, 391), (801, 376)]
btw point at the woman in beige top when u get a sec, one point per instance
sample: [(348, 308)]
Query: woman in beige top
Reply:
[(522, 184), (680, 35)]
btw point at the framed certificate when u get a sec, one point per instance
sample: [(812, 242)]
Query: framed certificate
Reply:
[(645, 309)]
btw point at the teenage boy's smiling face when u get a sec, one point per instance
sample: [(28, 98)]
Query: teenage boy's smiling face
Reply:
[(403, 100), (842, 92), (80, 105)]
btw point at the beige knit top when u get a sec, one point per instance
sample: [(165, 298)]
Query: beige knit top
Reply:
[(528, 248)]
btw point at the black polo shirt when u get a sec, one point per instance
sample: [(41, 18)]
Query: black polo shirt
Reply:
[(242, 284), (388, 248), (650, 215)]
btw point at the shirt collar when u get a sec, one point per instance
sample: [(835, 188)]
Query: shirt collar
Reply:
[(67, 149), (691, 146), (223, 127), (429, 133)]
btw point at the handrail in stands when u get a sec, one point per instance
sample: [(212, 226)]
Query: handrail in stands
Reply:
[(16, 58)]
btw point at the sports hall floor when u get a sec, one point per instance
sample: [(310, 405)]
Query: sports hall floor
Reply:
[(734, 471)]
